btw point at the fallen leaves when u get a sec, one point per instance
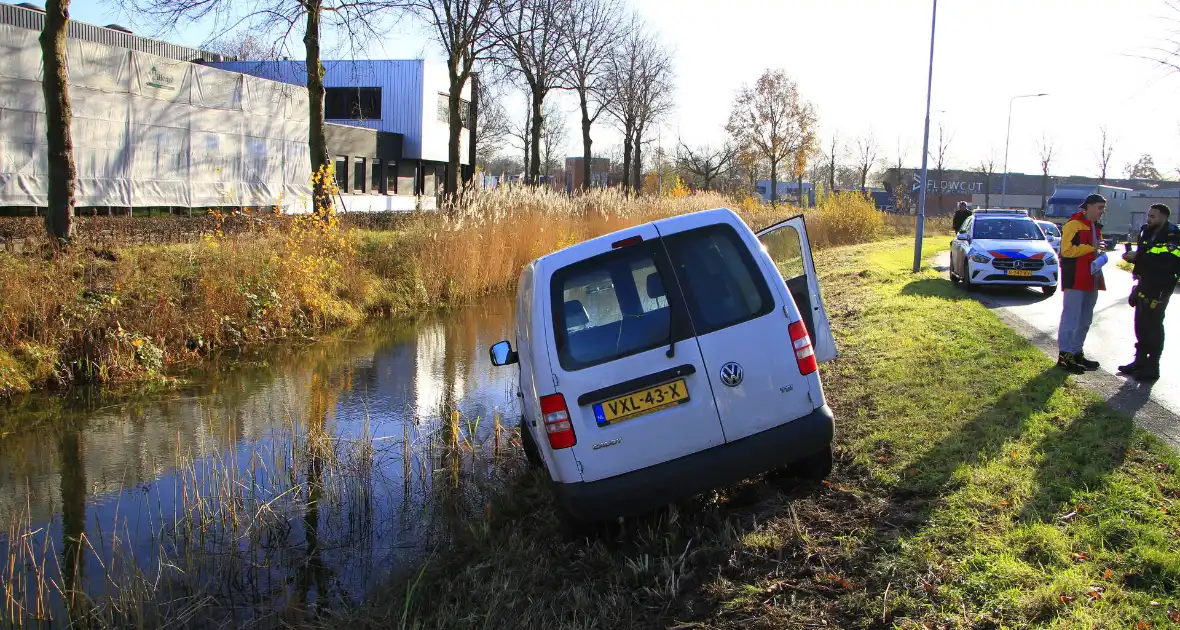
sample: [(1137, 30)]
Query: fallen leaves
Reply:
[(1067, 599), (1080, 557), (1107, 574), (1174, 615), (1095, 593), (1143, 625), (839, 581)]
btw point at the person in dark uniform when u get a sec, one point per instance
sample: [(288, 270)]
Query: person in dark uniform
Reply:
[(1157, 268), (961, 216)]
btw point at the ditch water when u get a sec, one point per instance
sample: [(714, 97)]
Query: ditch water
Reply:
[(272, 490)]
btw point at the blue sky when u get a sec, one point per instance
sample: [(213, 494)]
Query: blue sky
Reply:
[(863, 64)]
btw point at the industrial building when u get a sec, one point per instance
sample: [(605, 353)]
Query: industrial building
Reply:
[(947, 188), (156, 125), (407, 97)]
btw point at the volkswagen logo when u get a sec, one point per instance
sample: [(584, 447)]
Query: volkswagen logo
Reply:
[(731, 374)]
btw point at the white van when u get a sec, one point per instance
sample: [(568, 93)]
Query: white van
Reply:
[(669, 359)]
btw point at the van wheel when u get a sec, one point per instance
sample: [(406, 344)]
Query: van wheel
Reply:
[(531, 453), (1049, 290), (816, 467)]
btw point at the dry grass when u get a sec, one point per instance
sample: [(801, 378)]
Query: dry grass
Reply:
[(142, 311)]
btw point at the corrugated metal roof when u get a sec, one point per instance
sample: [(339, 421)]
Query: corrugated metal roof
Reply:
[(35, 20)]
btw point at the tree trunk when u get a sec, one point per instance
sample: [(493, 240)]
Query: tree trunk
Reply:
[(987, 192), (627, 146), (586, 141), (799, 181), (832, 176), (637, 163), (538, 120), (455, 135), (317, 133), (59, 220), (1044, 191), (73, 518), (773, 183)]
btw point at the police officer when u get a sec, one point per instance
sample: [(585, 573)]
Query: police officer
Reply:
[(1157, 267)]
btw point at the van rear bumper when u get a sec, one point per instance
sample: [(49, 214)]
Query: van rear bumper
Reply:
[(645, 489)]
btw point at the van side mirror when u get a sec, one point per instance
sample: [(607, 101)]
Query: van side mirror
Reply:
[(962, 236), (503, 354)]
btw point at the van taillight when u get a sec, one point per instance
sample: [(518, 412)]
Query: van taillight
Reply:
[(804, 353), (557, 422)]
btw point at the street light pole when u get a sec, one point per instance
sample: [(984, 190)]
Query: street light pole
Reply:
[(1007, 139), (925, 148)]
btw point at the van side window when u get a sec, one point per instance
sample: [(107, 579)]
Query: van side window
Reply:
[(721, 281), (609, 307)]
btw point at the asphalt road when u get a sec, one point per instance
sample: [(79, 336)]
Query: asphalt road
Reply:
[(1111, 342)]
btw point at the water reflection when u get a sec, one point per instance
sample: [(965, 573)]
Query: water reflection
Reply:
[(351, 433)]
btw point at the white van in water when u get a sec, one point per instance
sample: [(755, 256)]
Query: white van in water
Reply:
[(669, 359)]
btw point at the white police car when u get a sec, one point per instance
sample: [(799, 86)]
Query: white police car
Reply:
[(1005, 248)]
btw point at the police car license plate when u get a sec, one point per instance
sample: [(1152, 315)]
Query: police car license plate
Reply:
[(640, 403), (1019, 272)]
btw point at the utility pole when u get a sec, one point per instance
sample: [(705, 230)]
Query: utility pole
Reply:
[(921, 218), (1007, 138)]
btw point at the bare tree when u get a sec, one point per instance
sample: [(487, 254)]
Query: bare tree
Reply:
[(866, 158), (59, 219), (531, 34), (243, 47), (941, 156), (899, 184), (1047, 152), (705, 163), (987, 166), (639, 83), (356, 21), (492, 122), (1105, 151), (554, 133), (464, 29), (835, 153), (521, 133), (655, 99), (592, 30), (772, 118)]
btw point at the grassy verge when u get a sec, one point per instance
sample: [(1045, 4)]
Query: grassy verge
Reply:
[(976, 486), (117, 313)]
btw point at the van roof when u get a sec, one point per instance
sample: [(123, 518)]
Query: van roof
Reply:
[(584, 248)]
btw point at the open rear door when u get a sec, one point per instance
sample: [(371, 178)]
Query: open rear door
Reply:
[(789, 248)]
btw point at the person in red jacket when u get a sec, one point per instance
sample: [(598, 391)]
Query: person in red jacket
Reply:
[(1081, 244)]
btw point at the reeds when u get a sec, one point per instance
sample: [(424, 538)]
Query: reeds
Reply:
[(136, 311)]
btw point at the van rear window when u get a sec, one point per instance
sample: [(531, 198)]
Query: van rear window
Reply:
[(616, 304), (609, 306), (721, 281)]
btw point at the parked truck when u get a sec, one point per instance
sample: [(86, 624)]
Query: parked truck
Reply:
[(1119, 223)]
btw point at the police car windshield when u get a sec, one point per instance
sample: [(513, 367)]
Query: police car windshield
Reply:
[(1008, 230)]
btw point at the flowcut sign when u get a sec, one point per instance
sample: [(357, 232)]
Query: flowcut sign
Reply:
[(948, 187)]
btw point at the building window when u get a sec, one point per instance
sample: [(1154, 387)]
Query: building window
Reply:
[(352, 103), (342, 173), (391, 178), (358, 175), (376, 174), (444, 110)]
